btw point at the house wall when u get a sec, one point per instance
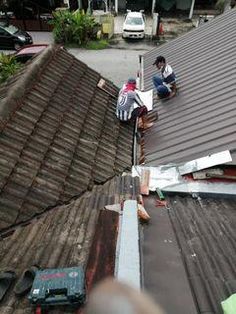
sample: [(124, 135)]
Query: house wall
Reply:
[(121, 5), (183, 4), (135, 5), (167, 5)]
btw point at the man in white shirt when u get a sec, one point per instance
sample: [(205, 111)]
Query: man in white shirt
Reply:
[(165, 84)]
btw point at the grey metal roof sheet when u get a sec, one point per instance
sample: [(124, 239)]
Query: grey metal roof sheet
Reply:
[(201, 119), (58, 135), (165, 277), (205, 230)]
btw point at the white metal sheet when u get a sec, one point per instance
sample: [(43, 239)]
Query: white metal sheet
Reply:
[(216, 188), (128, 268), (147, 98), (205, 162), (160, 177)]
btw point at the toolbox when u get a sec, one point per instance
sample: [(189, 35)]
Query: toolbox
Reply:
[(58, 286)]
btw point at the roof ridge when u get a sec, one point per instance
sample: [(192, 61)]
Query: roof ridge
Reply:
[(10, 101)]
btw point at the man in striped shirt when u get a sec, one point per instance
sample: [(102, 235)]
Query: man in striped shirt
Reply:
[(129, 105)]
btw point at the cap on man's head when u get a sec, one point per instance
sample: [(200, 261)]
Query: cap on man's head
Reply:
[(131, 80), (159, 59)]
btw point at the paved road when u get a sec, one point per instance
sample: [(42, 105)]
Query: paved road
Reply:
[(115, 64)]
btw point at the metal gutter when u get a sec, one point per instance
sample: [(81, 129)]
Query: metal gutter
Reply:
[(140, 87), (128, 268)]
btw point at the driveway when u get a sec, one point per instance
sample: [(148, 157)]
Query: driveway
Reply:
[(114, 64)]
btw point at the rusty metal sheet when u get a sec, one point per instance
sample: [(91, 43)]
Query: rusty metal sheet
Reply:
[(101, 262)]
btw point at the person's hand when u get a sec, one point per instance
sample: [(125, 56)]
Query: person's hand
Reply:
[(172, 94)]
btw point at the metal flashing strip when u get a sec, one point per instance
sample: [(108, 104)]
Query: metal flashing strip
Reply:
[(207, 188), (128, 268), (205, 162), (160, 177), (168, 179)]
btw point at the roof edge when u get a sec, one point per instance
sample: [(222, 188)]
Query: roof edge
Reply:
[(14, 94)]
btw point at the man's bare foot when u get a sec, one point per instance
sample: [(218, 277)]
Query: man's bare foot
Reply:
[(145, 126)]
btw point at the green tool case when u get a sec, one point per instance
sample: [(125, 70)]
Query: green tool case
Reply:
[(58, 286)]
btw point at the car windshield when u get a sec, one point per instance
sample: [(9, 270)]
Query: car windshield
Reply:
[(134, 21), (11, 29)]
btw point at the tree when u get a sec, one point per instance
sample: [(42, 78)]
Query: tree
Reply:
[(73, 27), (8, 66)]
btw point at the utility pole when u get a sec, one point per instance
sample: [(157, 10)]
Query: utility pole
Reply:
[(191, 10), (79, 4), (153, 5)]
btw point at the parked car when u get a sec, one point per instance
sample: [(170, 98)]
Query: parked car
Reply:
[(27, 52), (134, 25), (12, 37)]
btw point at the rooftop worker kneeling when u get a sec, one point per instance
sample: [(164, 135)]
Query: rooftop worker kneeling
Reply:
[(129, 105), (165, 84)]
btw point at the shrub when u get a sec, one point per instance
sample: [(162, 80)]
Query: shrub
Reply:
[(97, 44), (8, 66), (73, 27), (220, 4)]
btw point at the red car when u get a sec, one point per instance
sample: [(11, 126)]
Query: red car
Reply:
[(27, 52)]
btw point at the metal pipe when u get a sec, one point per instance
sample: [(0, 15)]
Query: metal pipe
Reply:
[(191, 10)]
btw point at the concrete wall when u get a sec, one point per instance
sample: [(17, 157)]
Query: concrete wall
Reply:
[(121, 5)]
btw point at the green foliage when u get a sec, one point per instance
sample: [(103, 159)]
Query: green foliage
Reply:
[(220, 4), (8, 66), (91, 45), (73, 27), (97, 44)]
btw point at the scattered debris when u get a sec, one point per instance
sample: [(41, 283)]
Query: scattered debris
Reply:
[(114, 207), (204, 174), (160, 194), (102, 85), (142, 213), (160, 203), (144, 181)]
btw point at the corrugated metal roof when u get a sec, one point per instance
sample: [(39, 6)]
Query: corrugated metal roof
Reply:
[(58, 135), (62, 237), (164, 273), (201, 119), (200, 233), (205, 229)]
